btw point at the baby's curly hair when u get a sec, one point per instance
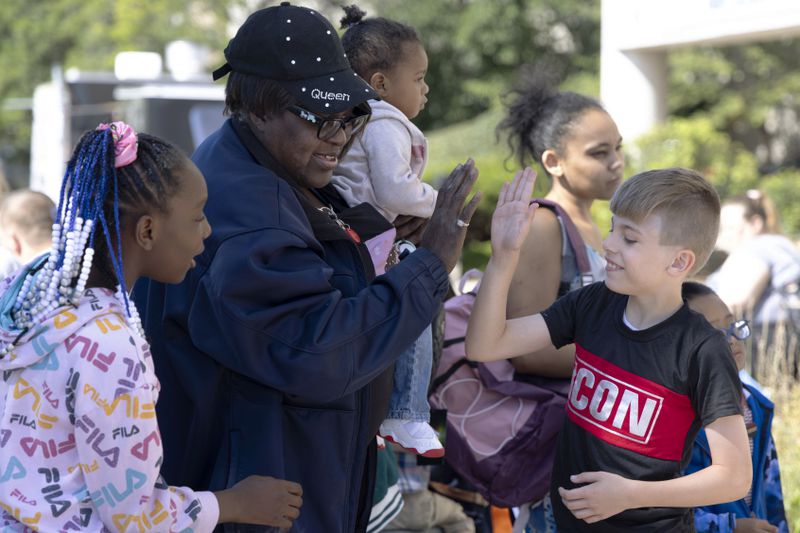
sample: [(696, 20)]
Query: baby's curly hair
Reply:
[(374, 44)]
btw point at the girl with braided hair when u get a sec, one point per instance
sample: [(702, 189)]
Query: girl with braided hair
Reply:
[(80, 447)]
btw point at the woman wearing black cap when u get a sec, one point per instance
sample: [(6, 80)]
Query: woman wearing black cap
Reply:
[(276, 351)]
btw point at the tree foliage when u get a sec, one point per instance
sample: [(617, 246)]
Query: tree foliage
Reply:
[(748, 92), (734, 116), (695, 143), (476, 47)]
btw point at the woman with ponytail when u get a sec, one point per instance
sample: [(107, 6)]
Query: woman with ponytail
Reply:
[(80, 447), (579, 147)]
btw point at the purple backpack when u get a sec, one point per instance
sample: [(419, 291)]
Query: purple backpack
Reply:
[(501, 430)]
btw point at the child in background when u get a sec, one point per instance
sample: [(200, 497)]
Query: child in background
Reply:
[(648, 372), (762, 508), (80, 447), (384, 167)]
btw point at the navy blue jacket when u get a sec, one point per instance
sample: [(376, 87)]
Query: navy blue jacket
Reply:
[(767, 496), (275, 354)]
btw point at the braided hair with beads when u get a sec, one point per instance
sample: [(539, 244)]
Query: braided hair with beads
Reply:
[(114, 176)]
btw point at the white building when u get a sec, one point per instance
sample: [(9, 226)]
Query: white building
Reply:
[(636, 36)]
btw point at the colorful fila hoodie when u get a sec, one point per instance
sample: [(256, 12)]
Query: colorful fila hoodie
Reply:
[(80, 448)]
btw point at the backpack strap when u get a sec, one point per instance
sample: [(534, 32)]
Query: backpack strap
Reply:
[(573, 235), (444, 376)]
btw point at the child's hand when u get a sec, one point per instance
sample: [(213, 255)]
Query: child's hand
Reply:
[(261, 500), (512, 218), (604, 495), (754, 525)]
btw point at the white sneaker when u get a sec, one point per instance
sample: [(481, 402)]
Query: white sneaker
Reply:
[(415, 436)]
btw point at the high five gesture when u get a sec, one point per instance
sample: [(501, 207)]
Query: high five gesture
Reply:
[(489, 335), (512, 218)]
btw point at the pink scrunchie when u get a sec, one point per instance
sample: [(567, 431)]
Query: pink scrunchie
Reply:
[(125, 142)]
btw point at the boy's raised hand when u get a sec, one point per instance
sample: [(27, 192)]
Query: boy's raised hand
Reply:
[(512, 218), (603, 495)]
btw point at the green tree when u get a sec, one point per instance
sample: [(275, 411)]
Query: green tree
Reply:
[(476, 47), (695, 143), (743, 98), (747, 91)]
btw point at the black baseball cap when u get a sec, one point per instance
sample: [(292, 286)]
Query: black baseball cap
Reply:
[(298, 49)]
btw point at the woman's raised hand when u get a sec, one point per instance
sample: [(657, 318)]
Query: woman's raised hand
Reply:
[(512, 218), (447, 227)]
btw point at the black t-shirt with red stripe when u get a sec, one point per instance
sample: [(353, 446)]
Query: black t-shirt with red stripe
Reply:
[(637, 399)]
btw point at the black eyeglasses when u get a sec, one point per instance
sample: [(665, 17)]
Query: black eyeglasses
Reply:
[(739, 330), (327, 128)]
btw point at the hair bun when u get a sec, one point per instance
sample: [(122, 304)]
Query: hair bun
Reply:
[(754, 194), (352, 16)]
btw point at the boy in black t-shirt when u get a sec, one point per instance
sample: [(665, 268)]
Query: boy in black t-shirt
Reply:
[(648, 372)]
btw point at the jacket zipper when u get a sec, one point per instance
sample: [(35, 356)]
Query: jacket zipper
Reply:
[(341, 223)]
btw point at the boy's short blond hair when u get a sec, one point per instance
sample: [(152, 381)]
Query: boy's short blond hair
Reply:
[(687, 203)]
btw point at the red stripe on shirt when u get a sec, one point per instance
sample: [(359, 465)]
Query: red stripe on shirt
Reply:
[(627, 410)]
